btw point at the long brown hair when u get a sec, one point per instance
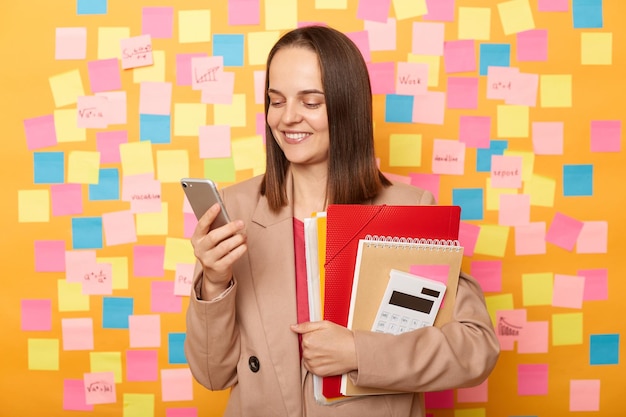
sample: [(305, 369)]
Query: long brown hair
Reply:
[(353, 176)]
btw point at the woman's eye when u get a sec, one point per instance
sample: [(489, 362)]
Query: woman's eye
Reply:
[(312, 105)]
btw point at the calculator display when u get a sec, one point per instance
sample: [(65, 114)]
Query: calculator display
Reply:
[(411, 302)]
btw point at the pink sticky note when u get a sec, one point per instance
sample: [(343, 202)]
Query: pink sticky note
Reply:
[(476, 394), (49, 255), (383, 77), (133, 184), (98, 280), (142, 365), (553, 5), (206, 71), (155, 98), (181, 412), (533, 337), (70, 43), (119, 227), (40, 132), (440, 10), (163, 299), (500, 81), (36, 315), (475, 131), (374, 10), (468, 236), (506, 171), (259, 87), (244, 12), (523, 90), (411, 78), (563, 231), (361, 40), (117, 105), (530, 239), (429, 182), (532, 379), (77, 333), (74, 396), (606, 135), (382, 36), (66, 199), (220, 92), (183, 279), (108, 144), (190, 223), (100, 388), (148, 260), (593, 237), (509, 323), (429, 108), (78, 263), (104, 75), (584, 395), (144, 330), (514, 210), (532, 45), (183, 67), (547, 138), (136, 51), (428, 38), (147, 199), (158, 22), (440, 399), (91, 112), (596, 284), (260, 125), (462, 93), (488, 274), (448, 157), (568, 291), (214, 141), (176, 385), (459, 56), (437, 273)]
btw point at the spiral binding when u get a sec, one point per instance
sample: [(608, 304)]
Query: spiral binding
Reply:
[(413, 243)]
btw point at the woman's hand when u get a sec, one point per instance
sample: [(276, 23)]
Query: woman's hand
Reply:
[(217, 250)]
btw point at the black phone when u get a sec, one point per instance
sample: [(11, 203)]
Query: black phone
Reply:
[(202, 193)]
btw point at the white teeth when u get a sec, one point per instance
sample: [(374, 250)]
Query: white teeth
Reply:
[(295, 136)]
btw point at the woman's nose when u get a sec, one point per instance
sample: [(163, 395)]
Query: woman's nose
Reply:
[(291, 113)]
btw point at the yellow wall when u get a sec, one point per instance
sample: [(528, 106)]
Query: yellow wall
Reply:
[(575, 329)]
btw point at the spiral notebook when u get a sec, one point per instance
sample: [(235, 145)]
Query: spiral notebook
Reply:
[(434, 259)]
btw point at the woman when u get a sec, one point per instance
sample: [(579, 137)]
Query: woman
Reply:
[(247, 323)]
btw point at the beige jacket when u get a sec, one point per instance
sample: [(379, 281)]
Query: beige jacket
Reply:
[(243, 340)]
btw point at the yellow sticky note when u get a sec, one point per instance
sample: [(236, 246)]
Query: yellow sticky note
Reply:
[(541, 190), (119, 270), (259, 46), (406, 9), (537, 289), (331, 4), (43, 354), (177, 251), (172, 165), (151, 73), (83, 167), (405, 150), (555, 90), (106, 362), (516, 16), (152, 224), (474, 23), (492, 195), (470, 412), (567, 329), (233, 115), (492, 240), (66, 128), (528, 162), (513, 121), (433, 63), (188, 117), (596, 48), (281, 14), (138, 405), (33, 206), (71, 297), (221, 170), (109, 41), (136, 158), (194, 26), (497, 303), (66, 87), (248, 153)]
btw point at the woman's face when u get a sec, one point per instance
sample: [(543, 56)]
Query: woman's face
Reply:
[(297, 111)]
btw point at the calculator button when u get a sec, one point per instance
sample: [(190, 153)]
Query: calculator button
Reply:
[(392, 328), (380, 326), (415, 323), (402, 329), (395, 318), (404, 321), (384, 315)]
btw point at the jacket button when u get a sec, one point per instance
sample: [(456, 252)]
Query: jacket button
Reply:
[(254, 364)]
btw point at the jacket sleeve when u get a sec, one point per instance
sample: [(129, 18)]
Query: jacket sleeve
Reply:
[(461, 353), (212, 343)]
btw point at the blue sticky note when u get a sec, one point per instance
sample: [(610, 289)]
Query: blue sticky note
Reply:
[(230, 47), (155, 128), (49, 167), (398, 108), (604, 349), (108, 187), (87, 233), (115, 312), (483, 156), (471, 202), (577, 180), (494, 55), (587, 14), (91, 7), (176, 351)]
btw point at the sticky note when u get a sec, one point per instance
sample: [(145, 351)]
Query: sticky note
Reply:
[(541, 190), (155, 128), (596, 48), (49, 255), (468, 237), (221, 92), (488, 274), (148, 260), (107, 187), (494, 55), (433, 66), (233, 114), (604, 349), (175, 348), (587, 14), (553, 5), (67, 130), (474, 23), (77, 333), (606, 135), (172, 165), (548, 138), (259, 45), (381, 35), (567, 329), (533, 337), (33, 206), (155, 98), (471, 202), (220, 169), (104, 75), (154, 223), (532, 45), (92, 112), (194, 26), (524, 90), (564, 231), (163, 299), (183, 279), (509, 325), (280, 14), (109, 39), (427, 38), (516, 16), (513, 121), (405, 150), (158, 22), (398, 108), (74, 395), (361, 40), (593, 237), (532, 379), (429, 182), (87, 233), (83, 167), (484, 156), (177, 251), (448, 157), (429, 108), (117, 106), (376, 11), (183, 67), (119, 227), (462, 93), (555, 90), (596, 281), (584, 395), (154, 72), (214, 141), (40, 132), (144, 330), (496, 303), (439, 10), (578, 180), (406, 9), (100, 388), (70, 43), (244, 12), (107, 362), (91, 7), (136, 158), (36, 314), (459, 56), (138, 405), (230, 47), (66, 87), (411, 78), (49, 167), (43, 354), (514, 210), (142, 365), (493, 195), (492, 239), (71, 297), (568, 291), (500, 81), (115, 312), (475, 131), (506, 171), (176, 385)]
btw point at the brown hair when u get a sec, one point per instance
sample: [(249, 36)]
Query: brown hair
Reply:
[(353, 176)]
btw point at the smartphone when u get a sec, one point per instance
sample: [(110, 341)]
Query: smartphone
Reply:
[(202, 194)]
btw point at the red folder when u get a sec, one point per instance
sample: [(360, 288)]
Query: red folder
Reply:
[(346, 224)]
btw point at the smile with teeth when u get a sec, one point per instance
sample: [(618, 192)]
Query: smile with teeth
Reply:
[(295, 137)]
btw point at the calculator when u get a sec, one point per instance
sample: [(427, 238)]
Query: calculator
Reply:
[(410, 302)]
